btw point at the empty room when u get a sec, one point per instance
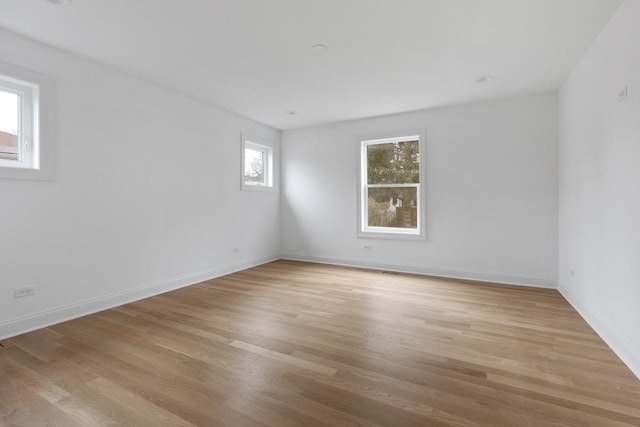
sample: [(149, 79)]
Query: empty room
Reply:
[(320, 213)]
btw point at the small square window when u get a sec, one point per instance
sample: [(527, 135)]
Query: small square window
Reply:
[(9, 136), (257, 164), (16, 124), (25, 123)]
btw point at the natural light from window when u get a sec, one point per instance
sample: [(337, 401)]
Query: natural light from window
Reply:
[(257, 164), (9, 124), (253, 166), (390, 187)]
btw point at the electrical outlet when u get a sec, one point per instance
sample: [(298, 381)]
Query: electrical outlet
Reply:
[(236, 250), (24, 292), (366, 248)]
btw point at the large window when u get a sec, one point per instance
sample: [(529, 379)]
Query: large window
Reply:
[(257, 164), (24, 124), (391, 200)]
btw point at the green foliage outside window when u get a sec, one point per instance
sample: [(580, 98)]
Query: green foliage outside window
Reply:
[(394, 163)]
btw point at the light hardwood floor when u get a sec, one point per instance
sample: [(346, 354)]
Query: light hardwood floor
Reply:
[(292, 343)]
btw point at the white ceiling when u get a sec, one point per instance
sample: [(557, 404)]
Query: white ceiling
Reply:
[(254, 57)]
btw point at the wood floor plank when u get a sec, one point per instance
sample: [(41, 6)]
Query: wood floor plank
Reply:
[(299, 344)]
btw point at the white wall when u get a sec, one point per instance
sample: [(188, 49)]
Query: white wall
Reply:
[(491, 193), (146, 196), (599, 162)]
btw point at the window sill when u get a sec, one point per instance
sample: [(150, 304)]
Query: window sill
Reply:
[(263, 188), (26, 174), (392, 235)]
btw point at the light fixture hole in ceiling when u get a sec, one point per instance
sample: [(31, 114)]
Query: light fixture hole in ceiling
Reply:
[(61, 2), (320, 49), (485, 79)]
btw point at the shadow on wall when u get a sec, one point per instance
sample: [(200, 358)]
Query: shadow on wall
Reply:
[(291, 227)]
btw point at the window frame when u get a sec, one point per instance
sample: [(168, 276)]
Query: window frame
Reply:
[(395, 233), (26, 96), (258, 144), (36, 124)]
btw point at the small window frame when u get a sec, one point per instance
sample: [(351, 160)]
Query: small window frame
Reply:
[(36, 124), (258, 144), (26, 94), (394, 233)]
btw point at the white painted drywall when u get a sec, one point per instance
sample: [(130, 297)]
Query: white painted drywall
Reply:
[(491, 190), (599, 161), (146, 195)]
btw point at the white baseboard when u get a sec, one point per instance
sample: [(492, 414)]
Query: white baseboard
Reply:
[(20, 325), (538, 282), (620, 346)]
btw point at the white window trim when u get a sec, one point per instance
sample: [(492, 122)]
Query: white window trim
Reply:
[(38, 94), (258, 144), (394, 233)]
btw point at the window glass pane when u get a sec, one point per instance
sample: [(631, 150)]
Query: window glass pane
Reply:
[(392, 207), (393, 163), (253, 166), (9, 108)]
